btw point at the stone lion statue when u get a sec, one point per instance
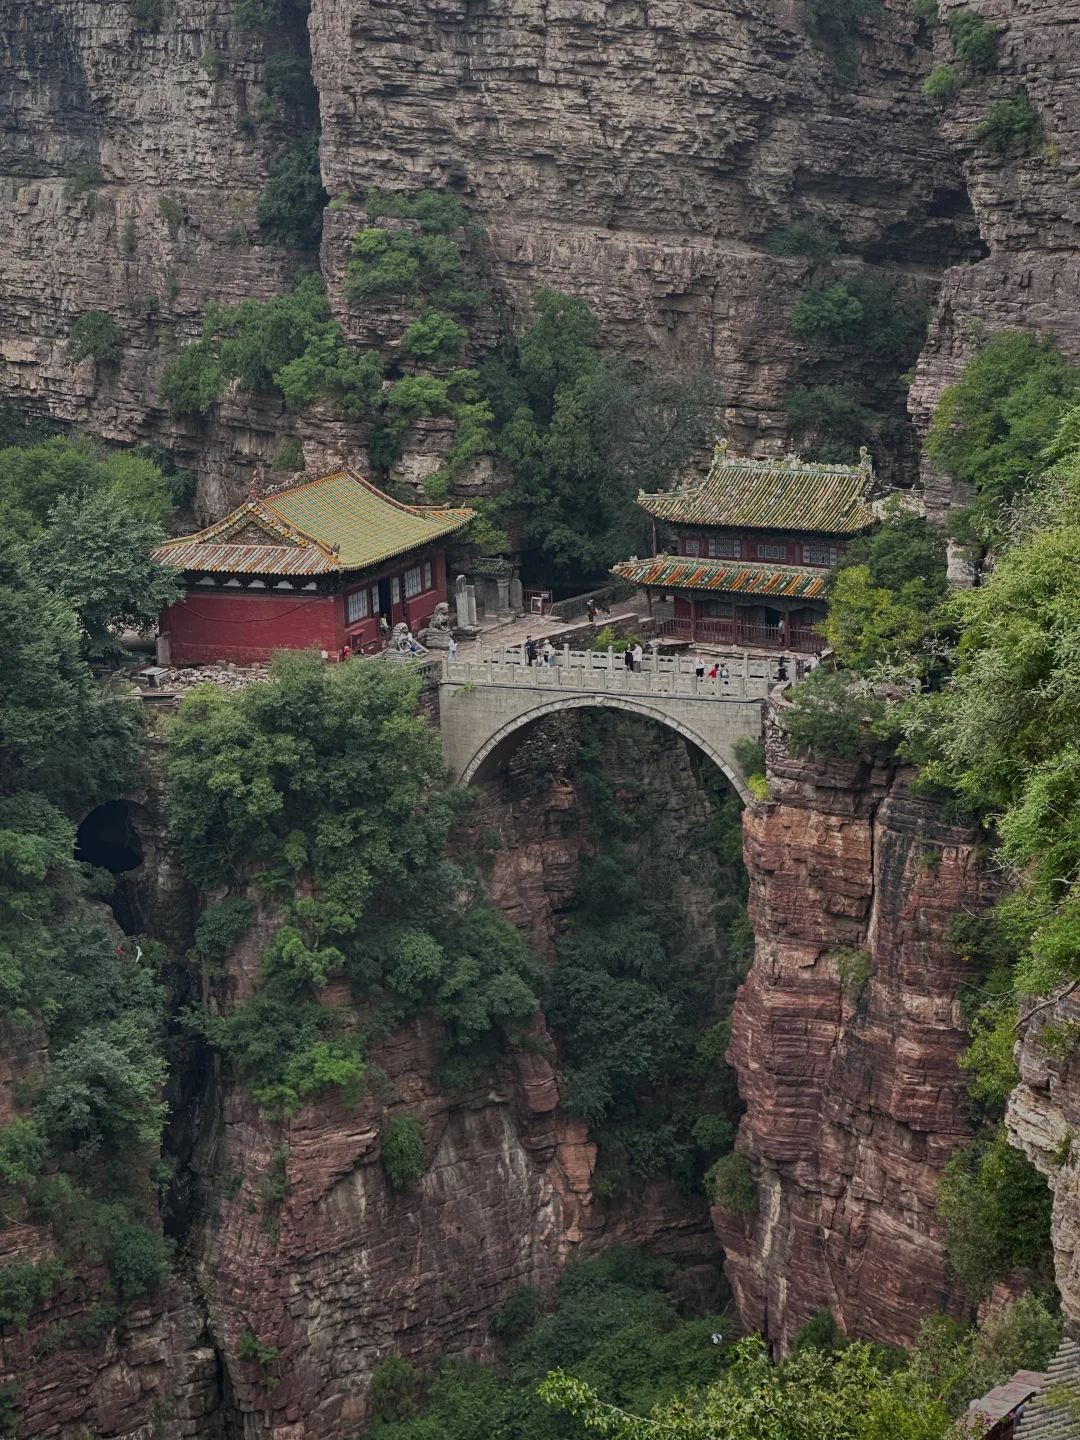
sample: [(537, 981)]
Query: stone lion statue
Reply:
[(438, 634), (399, 638)]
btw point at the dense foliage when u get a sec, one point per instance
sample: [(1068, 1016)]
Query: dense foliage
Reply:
[(289, 343), (642, 1016), (81, 1154), (834, 28), (582, 435), (614, 1321), (326, 792), (291, 206), (96, 334)]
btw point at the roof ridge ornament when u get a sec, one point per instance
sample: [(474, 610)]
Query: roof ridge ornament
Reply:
[(256, 480)]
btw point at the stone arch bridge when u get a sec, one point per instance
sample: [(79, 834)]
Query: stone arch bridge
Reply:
[(485, 705)]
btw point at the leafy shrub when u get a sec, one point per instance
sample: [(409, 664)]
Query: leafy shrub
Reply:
[(274, 1186), (991, 428), (403, 1151), (759, 787), (138, 1261), (212, 63), (834, 28), (24, 1284), (436, 210), (290, 456), (97, 334), (974, 40), (220, 926), (400, 262), (802, 237), (22, 1150), (830, 715), (853, 969), (395, 1390), (146, 14), (434, 336), (173, 212), (943, 83), (832, 417), (291, 206), (82, 178), (821, 1332), (250, 1347), (1010, 126), (251, 15), (749, 755), (96, 1325), (995, 1207), (927, 11), (832, 313), (732, 1184), (517, 1315), (290, 342), (287, 78)]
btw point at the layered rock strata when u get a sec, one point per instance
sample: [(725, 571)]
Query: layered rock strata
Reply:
[(1027, 205), (845, 1038)]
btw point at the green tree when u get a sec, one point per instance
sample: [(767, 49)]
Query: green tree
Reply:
[(96, 555), (97, 334), (403, 1151), (832, 714), (35, 478), (290, 208), (1010, 126), (991, 428)]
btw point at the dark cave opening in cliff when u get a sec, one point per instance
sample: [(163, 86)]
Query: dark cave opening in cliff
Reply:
[(109, 839)]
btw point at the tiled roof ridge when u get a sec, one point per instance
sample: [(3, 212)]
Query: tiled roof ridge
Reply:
[(789, 464), (347, 472)]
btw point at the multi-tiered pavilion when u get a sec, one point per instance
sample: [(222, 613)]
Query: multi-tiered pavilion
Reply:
[(754, 543)]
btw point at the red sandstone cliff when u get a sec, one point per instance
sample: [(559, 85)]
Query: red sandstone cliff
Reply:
[(854, 1100)]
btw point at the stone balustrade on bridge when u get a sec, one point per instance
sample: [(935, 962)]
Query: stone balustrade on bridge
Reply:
[(484, 703)]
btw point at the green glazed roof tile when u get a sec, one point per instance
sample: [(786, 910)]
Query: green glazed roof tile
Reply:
[(787, 494), (736, 577)]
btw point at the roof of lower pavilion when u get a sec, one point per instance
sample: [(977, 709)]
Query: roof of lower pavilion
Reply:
[(336, 523), (679, 572), (788, 494)]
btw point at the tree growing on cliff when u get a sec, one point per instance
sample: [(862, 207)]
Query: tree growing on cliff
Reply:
[(325, 788)]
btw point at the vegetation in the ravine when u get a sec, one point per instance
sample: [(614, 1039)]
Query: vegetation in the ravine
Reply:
[(640, 1011), (80, 1154), (614, 1347), (990, 721)]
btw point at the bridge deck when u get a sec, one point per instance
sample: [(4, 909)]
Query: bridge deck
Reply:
[(600, 672)]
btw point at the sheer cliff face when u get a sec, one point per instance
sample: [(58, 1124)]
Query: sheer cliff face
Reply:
[(1043, 1119), (845, 1040), (638, 156), (1028, 207)]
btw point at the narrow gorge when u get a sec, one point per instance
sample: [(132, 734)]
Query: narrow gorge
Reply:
[(339, 1099)]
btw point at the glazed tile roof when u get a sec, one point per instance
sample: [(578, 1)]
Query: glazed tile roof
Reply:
[(677, 572), (1054, 1414), (336, 523), (787, 494)]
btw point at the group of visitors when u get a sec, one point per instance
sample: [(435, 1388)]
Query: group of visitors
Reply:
[(597, 607), (536, 654), (632, 657), (719, 670)]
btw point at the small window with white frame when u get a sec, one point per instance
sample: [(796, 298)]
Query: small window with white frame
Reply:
[(723, 547), (427, 574), (395, 590), (356, 606), (772, 552), (413, 582), (691, 547), (819, 554)]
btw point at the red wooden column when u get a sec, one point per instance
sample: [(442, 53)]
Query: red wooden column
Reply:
[(693, 620), (787, 629)]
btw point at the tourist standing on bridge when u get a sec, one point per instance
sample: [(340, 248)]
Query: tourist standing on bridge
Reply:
[(451, 653), (530, 650), (639, 655), (699, 667), (549, 651), (628, 658)]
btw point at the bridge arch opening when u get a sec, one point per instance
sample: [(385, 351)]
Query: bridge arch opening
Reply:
[(492, 754)]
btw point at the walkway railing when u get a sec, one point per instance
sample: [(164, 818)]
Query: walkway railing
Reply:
[(748, 677), (707, 630)]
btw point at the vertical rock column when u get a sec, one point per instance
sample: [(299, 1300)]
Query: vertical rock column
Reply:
[(845, 1037)]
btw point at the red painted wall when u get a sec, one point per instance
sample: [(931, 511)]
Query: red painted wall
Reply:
[(246, 626), (249, 625)]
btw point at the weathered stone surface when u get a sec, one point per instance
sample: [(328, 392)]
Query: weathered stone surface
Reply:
[(854, 1100), (1028, 209), (1043, 1119)]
